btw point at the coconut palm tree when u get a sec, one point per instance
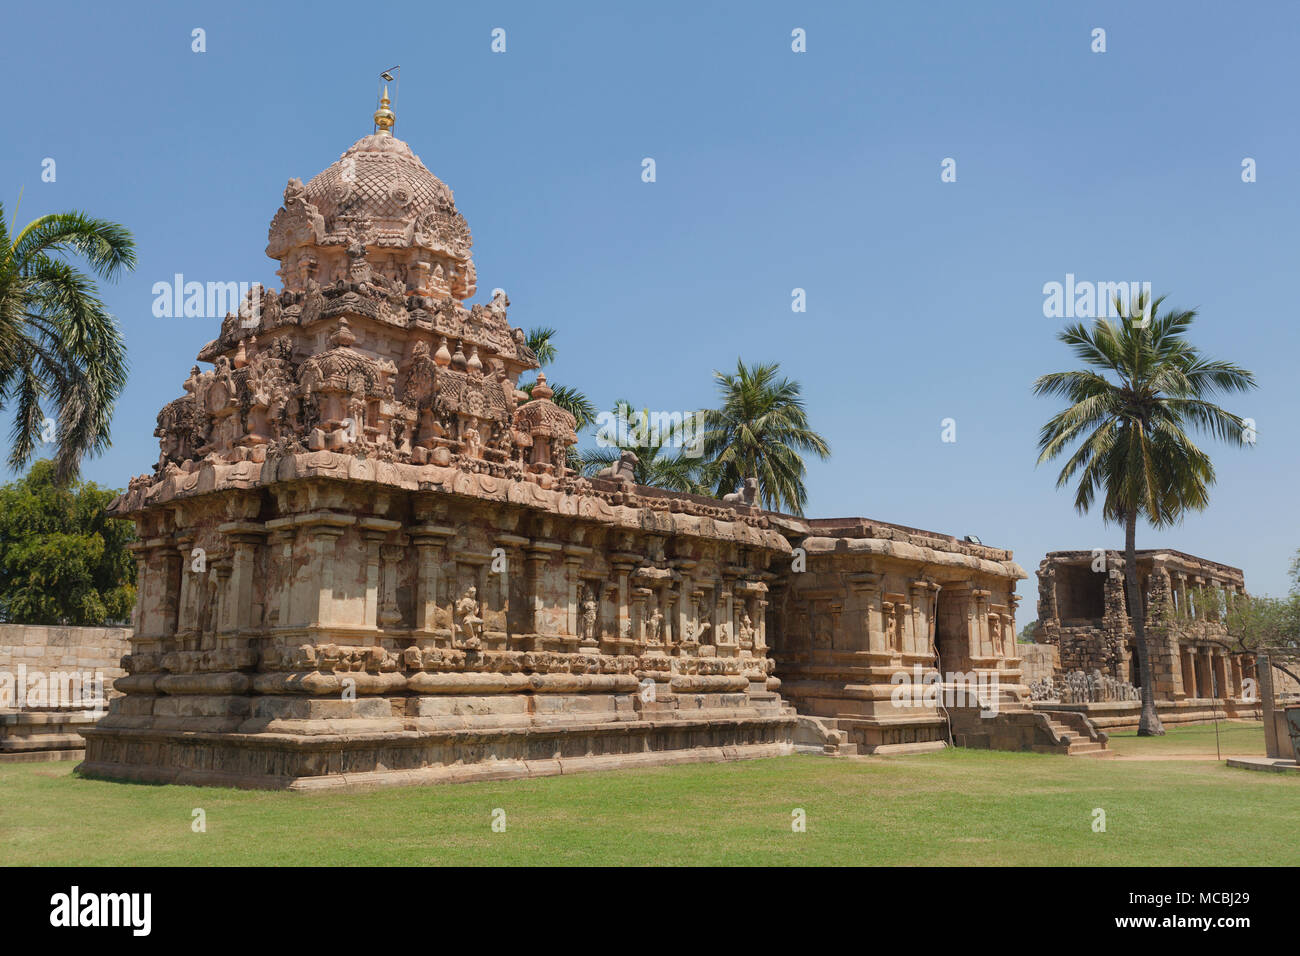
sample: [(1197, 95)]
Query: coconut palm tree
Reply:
[(758, 433), (59, 347), (541, 341), (658, 465), (1143, 388)]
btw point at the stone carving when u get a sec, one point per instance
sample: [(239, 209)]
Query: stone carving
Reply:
[(589, 614), (1076, 687), (471, 625), (655, 626), (747, 631), (622, 470), (348, 250), (748, 495)]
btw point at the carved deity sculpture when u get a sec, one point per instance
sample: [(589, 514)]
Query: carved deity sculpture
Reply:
[(589, 608), (473, 441), (471, 625), (746, 631), (656, 626), (695, 627)]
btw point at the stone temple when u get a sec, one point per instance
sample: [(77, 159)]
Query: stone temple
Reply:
[(363, 560), (1092, 664)]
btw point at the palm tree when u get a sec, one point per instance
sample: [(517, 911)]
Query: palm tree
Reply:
[(656, 465), (58, 344), (1144, 387), (541, 341), (758, 433)]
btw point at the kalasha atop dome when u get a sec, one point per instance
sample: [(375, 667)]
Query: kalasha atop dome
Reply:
[(377, 198)]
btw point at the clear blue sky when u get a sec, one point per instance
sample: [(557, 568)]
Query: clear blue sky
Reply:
[(775, 170)]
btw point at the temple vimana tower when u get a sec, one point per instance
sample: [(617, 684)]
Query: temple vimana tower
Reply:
[(363, 559)]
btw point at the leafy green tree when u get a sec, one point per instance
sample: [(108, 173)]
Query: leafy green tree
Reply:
[(759, 432), (1259, 624), (62, 559), (664, 458), (1130, 409), (58, 344)]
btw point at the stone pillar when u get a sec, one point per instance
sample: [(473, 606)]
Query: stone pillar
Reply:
[(170, 579), (374, 532), (668, 607), (623, 621), (390, 614), (979, 641), (715, 613), (283, 533), (141, 642), (921, 591), (245, 537), (220, 568), (866, 589), (429, 540), (374, 540), (323, 528), (727, 598), (1013, 604), (684, 566), (637, 612), (1273, 745), (186, 625)]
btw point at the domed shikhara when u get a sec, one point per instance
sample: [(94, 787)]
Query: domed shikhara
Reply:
[(378, 195), (368, 349)]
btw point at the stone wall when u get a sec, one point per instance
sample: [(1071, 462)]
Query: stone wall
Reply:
[(1038, 662), (61, 649), (50, 687)]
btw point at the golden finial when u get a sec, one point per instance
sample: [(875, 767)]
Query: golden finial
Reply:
[(384, 117)]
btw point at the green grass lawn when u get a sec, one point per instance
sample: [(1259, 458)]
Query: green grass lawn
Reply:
[(1237, 738), (955, 807)]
